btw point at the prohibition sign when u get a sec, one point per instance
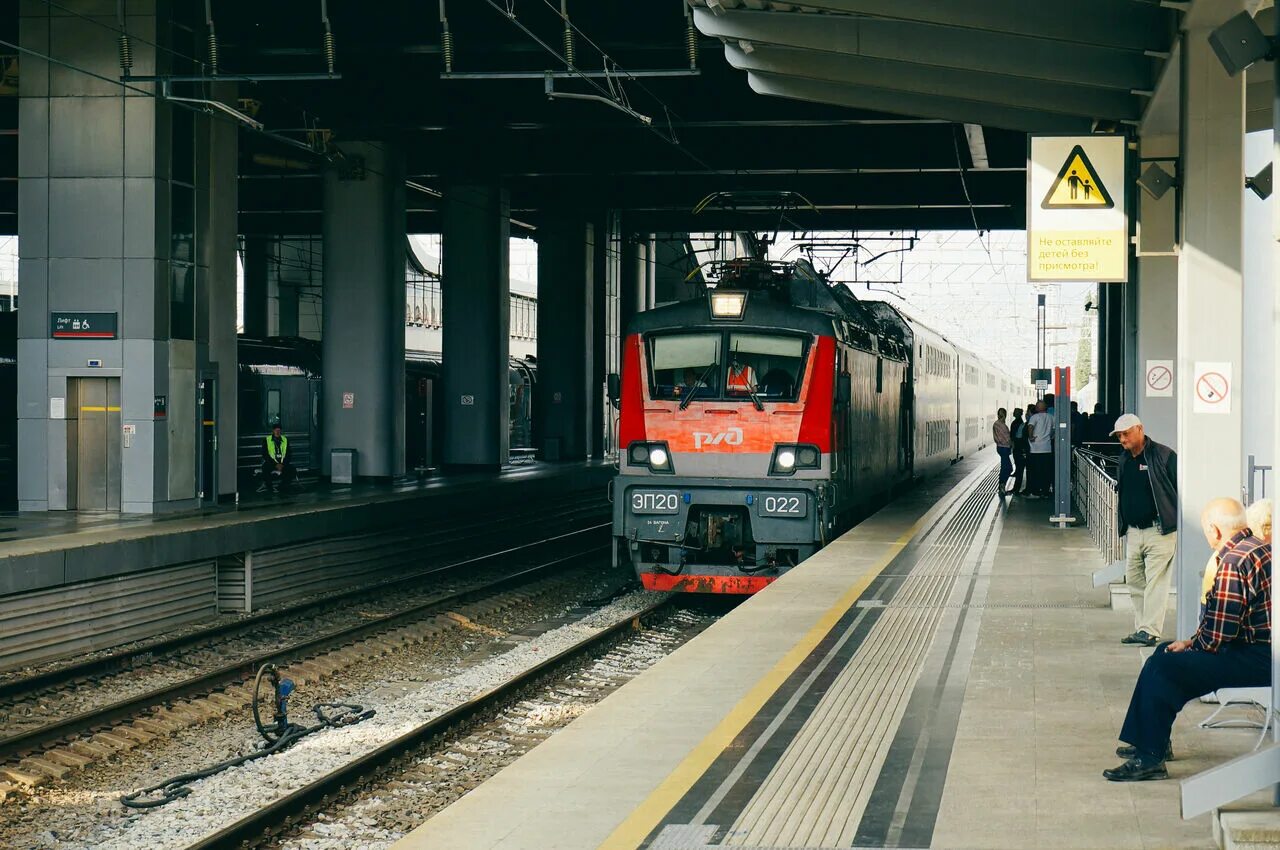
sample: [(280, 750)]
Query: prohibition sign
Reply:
[(1211, 387), (1159, 378)]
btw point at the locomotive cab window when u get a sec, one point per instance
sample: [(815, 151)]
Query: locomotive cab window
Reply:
[(734, 366), (767, 364), (679, 363)]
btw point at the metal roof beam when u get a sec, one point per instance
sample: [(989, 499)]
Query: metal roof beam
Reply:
[(940, 46), (931, 106), (973, 86), (1104, 23)]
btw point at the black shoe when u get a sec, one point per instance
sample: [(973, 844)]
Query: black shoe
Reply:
[(1136, 771), (1140, 638), (1128, 752)]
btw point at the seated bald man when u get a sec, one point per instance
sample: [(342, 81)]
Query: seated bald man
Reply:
[(1230, 649)]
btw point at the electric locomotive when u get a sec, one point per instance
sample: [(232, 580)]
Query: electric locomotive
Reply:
[(761, 421)]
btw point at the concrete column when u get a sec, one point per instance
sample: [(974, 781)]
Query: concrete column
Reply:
[(1157, 294), (634, 278), (565, 320), (1111, 326), (220, 257), (117, 216), (259, 251), (1258, 379), (362, 343), (476, 303), (605, 343), (1210, 284)]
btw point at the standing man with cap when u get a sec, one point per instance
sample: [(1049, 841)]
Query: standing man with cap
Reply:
[(1147, 509)]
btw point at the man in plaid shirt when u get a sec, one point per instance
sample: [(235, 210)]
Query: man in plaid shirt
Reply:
[(1230, 649)]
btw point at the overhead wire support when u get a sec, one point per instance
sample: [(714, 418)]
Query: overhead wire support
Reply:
[(446, 40), (330, 53), (212, 38), (509, 13)]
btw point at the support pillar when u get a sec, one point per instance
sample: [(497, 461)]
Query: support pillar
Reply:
[(1210, 284), (362, 343), (259, 251), (633, 285), (123, 211), (565, 320), (605, 344), (1157, 296), (475, 288)]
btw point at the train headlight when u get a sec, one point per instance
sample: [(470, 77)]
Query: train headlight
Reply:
[(728, 304), (656, 456), (788, 457)]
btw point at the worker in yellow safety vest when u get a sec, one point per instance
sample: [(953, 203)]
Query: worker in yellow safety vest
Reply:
[(277, 470)]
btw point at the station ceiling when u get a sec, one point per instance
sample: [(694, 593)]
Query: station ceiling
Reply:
[(883, 114)]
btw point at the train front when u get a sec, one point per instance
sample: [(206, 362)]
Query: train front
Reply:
[(724, 437)]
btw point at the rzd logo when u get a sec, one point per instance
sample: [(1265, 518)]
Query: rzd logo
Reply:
[(730, 437)]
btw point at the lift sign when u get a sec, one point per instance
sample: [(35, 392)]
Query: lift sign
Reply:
[(82, 325)]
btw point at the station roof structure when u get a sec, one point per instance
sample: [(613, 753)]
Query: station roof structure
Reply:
[(879, 113)]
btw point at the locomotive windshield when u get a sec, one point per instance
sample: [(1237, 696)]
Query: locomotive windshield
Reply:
[(757, 366)]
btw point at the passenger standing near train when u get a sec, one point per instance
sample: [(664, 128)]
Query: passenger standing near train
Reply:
[(1041, 426), (1147, 515), (1004, 447), (1021, 448), (275, 459), (1230, 649)]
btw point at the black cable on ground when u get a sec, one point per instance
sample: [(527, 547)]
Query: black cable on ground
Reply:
[(279, 735)]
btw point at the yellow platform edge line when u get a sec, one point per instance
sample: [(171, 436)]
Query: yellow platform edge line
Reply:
[(98, 409), (649, 814)]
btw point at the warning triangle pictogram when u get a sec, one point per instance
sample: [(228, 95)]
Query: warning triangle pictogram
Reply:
[(1077, 185)]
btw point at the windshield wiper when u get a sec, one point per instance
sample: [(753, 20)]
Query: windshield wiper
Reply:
[(755, 399), (697, 385)]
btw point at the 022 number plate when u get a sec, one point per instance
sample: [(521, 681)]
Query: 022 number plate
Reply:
[(654, 502), (783, 504)]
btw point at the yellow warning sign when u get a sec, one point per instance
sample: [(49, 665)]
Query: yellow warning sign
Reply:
[(1077, 185)]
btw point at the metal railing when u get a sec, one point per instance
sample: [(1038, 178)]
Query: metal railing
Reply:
[(1093, 490), (1257, 471)]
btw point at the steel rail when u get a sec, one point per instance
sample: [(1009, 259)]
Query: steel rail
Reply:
[(24, 743), (121, 660), (269, 818)]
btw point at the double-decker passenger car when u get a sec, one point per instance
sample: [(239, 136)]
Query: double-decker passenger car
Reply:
[(759, 422)]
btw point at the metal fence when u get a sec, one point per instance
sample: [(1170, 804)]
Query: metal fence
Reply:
[(1257, 471), (1093, 490)]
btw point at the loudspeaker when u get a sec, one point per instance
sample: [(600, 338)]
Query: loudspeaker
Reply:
[(1239, 43), (1155, 181), (1260, 183)]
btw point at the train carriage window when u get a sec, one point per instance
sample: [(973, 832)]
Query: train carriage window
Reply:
[(273, 406)]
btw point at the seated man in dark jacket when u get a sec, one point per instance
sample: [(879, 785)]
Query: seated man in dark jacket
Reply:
[(277, 469)]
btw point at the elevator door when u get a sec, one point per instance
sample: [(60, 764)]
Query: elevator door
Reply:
[(97, 444)]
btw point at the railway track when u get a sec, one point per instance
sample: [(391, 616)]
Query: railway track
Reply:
[(54, 749), (457, 547), (278, 816)]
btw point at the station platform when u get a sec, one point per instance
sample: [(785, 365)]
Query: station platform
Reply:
[(944, 675), (141, 574)]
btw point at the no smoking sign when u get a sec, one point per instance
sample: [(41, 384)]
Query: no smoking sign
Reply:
[(1159, 379), (1212, 387)]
